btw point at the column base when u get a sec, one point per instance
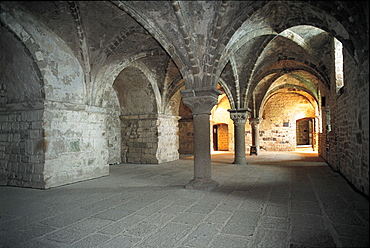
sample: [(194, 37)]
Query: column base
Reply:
[(240, 161), (207, 184)]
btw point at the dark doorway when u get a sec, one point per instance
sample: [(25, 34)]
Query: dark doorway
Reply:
[(304, 129), (215, 137), (220, 137)]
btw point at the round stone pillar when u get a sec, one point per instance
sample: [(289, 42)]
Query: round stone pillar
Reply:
[(239, 116), (201, 102), (255, 122)]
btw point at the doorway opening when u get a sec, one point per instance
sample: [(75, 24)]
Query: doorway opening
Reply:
[(304, 132), (220, 137)]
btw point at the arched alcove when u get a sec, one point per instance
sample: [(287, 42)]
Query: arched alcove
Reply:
[(21, 112), (222, 125), (280, 112), (138, 111), (134, 92)]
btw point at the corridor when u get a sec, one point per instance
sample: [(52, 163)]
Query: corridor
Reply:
[(291, 199)]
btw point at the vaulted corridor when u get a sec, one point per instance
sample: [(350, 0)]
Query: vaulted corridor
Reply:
[(159, 123), (88, 84)]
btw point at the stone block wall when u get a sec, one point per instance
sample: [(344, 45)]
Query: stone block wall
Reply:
[(168, 138), (345, 147), (278, 139), (186, 136), (139, 139), (75, 143), (149, 139), (277, 131), (22, 147), (114, 129)]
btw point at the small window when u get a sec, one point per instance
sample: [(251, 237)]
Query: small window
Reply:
[(338, 60), (328, 126)]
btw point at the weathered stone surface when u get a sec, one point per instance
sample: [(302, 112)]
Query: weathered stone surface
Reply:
[(285, 61)]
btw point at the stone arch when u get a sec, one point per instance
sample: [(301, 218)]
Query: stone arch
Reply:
[(19, 87), (161, 38), (256, 72), (172, 98), (257, 28), (154, 85), (236, 82), (111, 71), (22, 107), (149, 134), (61, 99), (280, 112), (108, 64), (60, 85), (300, 13), (173, 84), (222, 124), (138, 116), (135, 92), (230, 36), (221, 110), (334, 22), (280, 83), (228, 93), (282, 64)]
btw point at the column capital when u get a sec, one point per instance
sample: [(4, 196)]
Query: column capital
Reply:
[(255, 121), (239, 116), (200, 100)]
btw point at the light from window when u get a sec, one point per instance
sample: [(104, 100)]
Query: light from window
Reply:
[(338, 56)]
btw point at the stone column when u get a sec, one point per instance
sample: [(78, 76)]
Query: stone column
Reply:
[(255, 122), (239, 116), (201, 102)]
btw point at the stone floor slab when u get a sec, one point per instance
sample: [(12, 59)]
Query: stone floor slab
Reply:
[(290, 199)]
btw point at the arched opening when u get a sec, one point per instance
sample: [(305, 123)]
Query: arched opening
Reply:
[(138, 114), (21, 112), (278, 130), (222, 125)]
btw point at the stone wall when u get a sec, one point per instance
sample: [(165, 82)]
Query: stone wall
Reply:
[(139, 139), (22, 147), (277, 131), (47, 148), (149, 139), (114, 129), (345, 147), (21, 115), (75, 143), (186, 130), (168, 138), (186, 136)]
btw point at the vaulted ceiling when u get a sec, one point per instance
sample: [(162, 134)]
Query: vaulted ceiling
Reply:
[(250, 48)]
